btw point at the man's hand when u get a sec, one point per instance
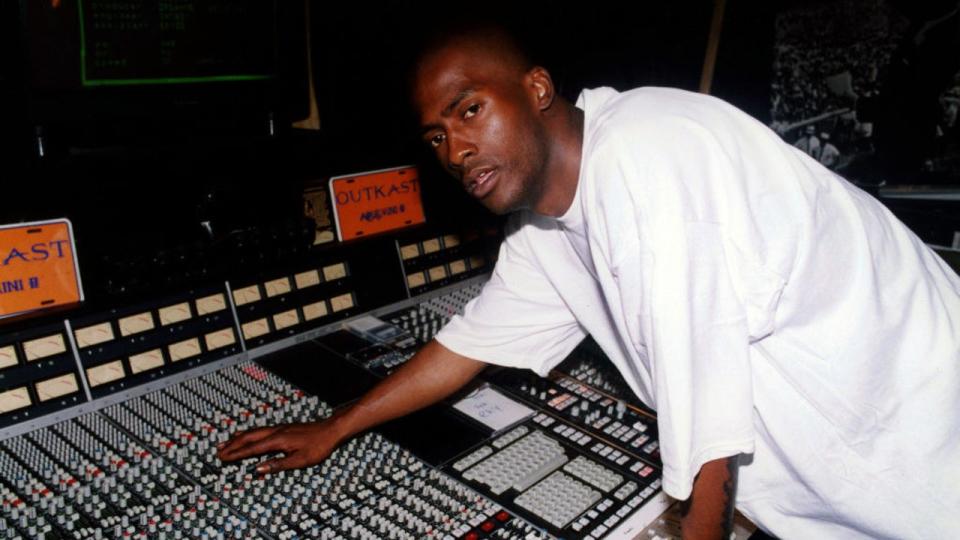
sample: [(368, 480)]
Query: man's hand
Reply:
[(431, 375), (303, 445)]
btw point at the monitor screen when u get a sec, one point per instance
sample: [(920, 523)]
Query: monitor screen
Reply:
[(91, 43), (119, 73)]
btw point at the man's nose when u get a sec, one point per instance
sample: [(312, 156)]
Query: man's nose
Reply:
[(458, 150)]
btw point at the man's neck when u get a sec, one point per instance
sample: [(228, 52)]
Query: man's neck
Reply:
[(562, 173)]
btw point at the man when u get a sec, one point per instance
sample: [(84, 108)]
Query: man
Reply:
[(830, 155), (787, 329), (809, 142)]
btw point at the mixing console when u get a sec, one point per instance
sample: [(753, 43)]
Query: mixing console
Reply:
[(595, 413), (38, 373), (590, 366), (396, 337), (90, 478), (155, 386), (425, 320), (585, 465), (147, 468), (578, 484)]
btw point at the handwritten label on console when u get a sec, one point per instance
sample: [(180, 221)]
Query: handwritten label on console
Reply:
[(493, 409), (376, 202)]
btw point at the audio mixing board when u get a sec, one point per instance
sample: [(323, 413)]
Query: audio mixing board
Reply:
[(109, 419)]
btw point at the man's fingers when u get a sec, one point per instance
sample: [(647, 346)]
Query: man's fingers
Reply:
[(275, 465), (256, 448), (239, 445), (300, 444), (238, 440)]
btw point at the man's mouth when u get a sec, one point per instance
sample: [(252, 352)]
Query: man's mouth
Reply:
[(481, 182)]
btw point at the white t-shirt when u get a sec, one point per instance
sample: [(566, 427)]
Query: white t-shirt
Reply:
[(760, 303)]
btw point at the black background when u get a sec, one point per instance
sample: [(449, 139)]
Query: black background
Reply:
[(138, 169)]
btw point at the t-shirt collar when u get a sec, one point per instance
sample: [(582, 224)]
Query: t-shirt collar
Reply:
[(589, 101)]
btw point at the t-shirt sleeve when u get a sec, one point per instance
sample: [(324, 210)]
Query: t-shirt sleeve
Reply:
[(707, 293), (700, 351), (518, 320)]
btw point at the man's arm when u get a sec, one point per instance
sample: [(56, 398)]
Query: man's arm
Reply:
[(431, 375), (708, 513)]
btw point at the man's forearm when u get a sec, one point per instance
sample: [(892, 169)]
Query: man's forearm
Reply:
[(434, 373), (431, 375), (708, 513)]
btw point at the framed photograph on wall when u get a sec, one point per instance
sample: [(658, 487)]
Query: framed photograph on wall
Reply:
[(871, 88)]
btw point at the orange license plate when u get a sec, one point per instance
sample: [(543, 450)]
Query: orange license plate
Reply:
[(38, 267), (375, 202)]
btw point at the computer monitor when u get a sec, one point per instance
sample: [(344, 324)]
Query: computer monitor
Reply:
[(102, 73)]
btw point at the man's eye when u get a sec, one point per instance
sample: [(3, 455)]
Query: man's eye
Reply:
[(436, 140), (471, 111)]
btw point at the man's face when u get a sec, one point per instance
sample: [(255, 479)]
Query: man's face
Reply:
[(479, 117)]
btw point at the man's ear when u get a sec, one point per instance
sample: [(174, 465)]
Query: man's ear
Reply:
[(541, 87)]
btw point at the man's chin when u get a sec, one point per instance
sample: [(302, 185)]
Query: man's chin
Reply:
[(502, 200), (498, 207)]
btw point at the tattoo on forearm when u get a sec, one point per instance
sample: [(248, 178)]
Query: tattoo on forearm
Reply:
[(714, 514)]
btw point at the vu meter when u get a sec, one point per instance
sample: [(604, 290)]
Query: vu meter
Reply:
[(105, 373), (56, 387), (12, 400)]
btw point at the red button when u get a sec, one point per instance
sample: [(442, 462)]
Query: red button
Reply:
[(471, 536), (503, 515), (487, 526)]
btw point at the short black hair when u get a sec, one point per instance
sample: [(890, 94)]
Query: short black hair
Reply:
[(507, 32), (513, 32)]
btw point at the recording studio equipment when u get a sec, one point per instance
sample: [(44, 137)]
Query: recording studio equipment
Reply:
[(110, 414)]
